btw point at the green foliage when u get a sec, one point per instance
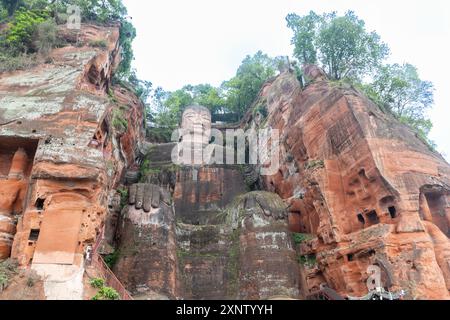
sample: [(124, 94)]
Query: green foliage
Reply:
[(25, 15), (242, 90), (118, 120), (97, 283), (123, 197), (127, 35), (235, 95), (106, 293), (99, 44), (20, 32), (301, 237), (315, 164), (3, 13), (207, 96), (399, 90), (341, 45), (9, 62), (167, 108), (305, 31), (261, 108), (146, 171), (141, 88), (8, 269), (111, 259), (3, 281), (102, 11), (10, 6), (346, 51), (308, 261), (45, 37)]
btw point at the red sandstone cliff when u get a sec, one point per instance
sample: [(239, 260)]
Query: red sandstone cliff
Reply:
[(360, 188), (363, 186), (58, 130)]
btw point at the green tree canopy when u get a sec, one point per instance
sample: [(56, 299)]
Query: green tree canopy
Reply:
[(242, 90), (339, 44), (399, 90)]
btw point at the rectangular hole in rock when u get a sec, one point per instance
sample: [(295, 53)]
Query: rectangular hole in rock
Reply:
[(392, 212), (40, 204), (34, 235), (373, 217)]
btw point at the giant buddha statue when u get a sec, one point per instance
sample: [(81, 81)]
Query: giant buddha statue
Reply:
[(194, 135)]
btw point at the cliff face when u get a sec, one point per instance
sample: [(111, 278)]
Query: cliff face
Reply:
[(363, 186), (61, 155), (359, 190)]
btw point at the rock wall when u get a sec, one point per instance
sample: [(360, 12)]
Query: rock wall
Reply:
[(357, 188), (61, 116), (215, 241), (362, 185), (148, 261), (207, 269)]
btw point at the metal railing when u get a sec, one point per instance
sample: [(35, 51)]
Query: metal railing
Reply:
[(106, 273)]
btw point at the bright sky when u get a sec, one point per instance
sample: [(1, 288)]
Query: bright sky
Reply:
[(204, 41)]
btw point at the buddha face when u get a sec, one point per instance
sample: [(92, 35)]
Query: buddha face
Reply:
[(197, 121)]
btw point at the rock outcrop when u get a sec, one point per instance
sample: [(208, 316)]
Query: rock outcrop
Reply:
[(363, 186), (148, 253), (62, 153), (355, 191), (216, 242)]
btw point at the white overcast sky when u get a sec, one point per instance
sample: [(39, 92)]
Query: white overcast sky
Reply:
[(204, 41)]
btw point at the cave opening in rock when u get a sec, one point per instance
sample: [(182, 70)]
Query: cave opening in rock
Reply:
[(350, 257), (392, 212), (40, 204), (34, 235), (434, 208), (361, 218), (373, 217)]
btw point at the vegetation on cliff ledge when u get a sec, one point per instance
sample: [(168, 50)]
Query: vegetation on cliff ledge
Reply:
[(346, 51), (28, 27)]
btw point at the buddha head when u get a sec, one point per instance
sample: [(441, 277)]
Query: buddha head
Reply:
[(196, 121), (19, 165)]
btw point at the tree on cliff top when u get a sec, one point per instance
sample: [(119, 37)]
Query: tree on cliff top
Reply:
[(340, 45), (346, 51), (398, 89), (242, 90)]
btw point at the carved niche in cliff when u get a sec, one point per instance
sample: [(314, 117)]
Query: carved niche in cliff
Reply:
[(435, 207), (194, 136), (16, 156)]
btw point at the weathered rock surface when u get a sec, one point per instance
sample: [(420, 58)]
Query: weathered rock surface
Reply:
[(148, 252), (60, 115), (205, 240), (360, 188), (364, 185), (267, 266)]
